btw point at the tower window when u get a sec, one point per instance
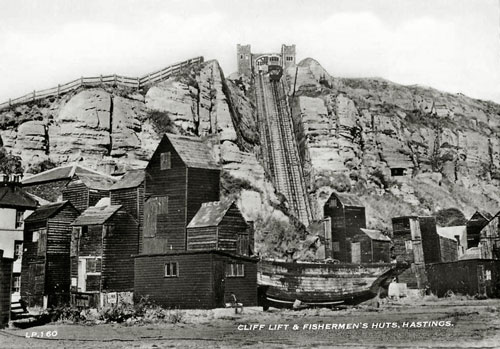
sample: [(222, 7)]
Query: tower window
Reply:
[(289, 58), (241, 56), (19, 218), (165, 161)]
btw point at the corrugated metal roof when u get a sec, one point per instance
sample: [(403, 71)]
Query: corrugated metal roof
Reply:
[(349, 199), (97, 181), (193, 151), (45, 211), (131, 179), (15, 196), (375, 234), (96, 215), (58, 173), (210, 214)]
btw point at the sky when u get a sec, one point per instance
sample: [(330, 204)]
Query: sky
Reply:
[(451, 45)]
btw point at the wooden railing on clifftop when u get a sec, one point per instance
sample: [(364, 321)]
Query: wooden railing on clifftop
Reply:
[(117, 80)]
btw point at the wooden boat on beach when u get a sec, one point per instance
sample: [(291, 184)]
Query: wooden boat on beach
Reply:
[(322, 284)]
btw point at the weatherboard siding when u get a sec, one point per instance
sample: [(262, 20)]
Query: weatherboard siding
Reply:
[(5, 289), (77, 194)]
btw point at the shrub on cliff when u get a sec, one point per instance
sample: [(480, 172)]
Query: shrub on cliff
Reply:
[(10, 164), (450, 217), (161, 121)]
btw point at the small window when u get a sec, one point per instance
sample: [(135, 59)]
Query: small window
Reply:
[(171, 269), (19, 218), (241, 56), (93, 265), (408, 245), (396, 172), (336, 246), (165, 161), (289, 58), (18, 250), (235, 270), (75, 237), (16, 284)]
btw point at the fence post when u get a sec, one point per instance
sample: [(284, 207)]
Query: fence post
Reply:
[(100, 78), (58, 89), (34, 95), (10, 102), (138, 83), (81, 81), (149, 79), (115, 79)]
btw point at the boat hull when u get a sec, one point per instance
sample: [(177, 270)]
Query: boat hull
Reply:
[(283, 284)]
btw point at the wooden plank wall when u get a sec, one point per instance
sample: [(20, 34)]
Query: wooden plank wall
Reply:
[(191, 289), (78, 194), (5, 289), (231, 226), (58, 279), (119, 244), (203, 186), (448, 249), (31, 289), (381, 251), (204, 238), (430, 239), (170, 183), (96, 195)]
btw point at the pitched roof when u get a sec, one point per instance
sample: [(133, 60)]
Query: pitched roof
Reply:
[(193, 151), (96, 215), (375, 234), (349, 199), (58, 173), (15, 196), (485, 214), (46, 211), (131, 179), (451, 232), (210, 214), (97, 181)]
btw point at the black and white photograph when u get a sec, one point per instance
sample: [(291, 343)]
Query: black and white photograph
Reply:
[(249, 173)]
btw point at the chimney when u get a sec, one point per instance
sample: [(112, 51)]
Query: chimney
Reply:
[(13, 180)]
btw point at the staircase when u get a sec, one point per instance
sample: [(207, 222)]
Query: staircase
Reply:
[(279, 147)]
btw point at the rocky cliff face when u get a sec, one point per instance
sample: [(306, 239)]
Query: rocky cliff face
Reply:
[(360, 135), (356, 135)]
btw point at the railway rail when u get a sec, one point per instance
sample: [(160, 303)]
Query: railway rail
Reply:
[(279, 147)]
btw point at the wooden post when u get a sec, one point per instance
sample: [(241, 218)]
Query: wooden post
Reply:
[(34, 95), (116, 79), (138, 83), (10, 102), (58, 89), (81, 81), (100, 77), (149, 79)]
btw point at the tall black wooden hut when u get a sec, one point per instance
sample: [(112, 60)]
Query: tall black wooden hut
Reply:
[(181, 175), (474, 226), (129, 192), (45, 273), (347, 216), (85, 190), (219, 225), (103, 241), (5, 289)]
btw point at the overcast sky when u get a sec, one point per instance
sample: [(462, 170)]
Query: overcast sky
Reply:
[(452, 45)]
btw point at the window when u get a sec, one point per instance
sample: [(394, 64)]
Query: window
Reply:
[(408, 245), (241, 56), (274, 59), (171, 269), (336, 246), (93, 265), (235, 270), (165, 161), (42, 242), (395, 172), (289, 58), (18, 250), (16, 284), (19, 218)]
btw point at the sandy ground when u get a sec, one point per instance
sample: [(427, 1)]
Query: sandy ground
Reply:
[(457, 323)]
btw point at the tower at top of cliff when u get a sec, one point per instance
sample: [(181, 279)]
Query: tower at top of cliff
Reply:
[(249, 62)]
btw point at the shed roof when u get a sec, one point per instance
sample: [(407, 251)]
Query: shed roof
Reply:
[(210, 214), (451, 232), (15, 196), (485, 214), (193, 151), (96, 215), (375, 234), (58, 173), (97, 181), (46, 211), (349, 199), (131, 179)]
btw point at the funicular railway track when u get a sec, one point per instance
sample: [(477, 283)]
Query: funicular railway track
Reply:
[(280, 152)]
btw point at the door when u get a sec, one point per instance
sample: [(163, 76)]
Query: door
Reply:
[(356, 252), (219, 283), (82, 271)]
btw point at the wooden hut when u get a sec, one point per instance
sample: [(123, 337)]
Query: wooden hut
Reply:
[(5, 289), (370, 246), (85, 190), (129, 192), (50, 184), (47, 235), (347, 215), (474, 226), (490, 238), (219, 225), (181, 175), (102, 244), (201, 279)]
